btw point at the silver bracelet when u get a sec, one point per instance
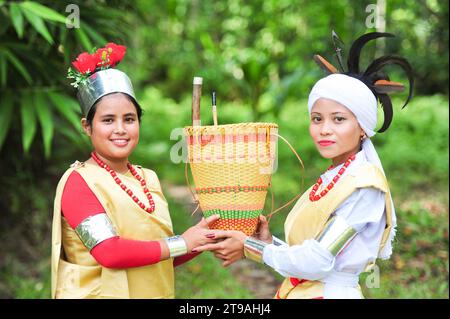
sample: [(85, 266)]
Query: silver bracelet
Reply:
[(177, 246)]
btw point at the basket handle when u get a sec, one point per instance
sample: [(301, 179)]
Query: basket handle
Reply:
[(194, 197), (269, 216), (302, 182)]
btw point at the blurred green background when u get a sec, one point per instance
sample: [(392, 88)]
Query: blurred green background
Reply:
[(257, 56)]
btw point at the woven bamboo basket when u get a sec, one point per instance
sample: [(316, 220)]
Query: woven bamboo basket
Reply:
[(232, 167)]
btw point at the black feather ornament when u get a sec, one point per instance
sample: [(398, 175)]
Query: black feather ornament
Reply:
[(374, 77), (355, 49)]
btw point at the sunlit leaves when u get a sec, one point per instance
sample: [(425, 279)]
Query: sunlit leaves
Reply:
[(17, 19)]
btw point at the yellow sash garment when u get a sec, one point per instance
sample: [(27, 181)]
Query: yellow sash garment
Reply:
[(76, 274), (307, 219)]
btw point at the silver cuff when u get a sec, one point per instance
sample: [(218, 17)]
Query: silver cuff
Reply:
[(336, 235), (177, 246), (253, 249), (95, 229)]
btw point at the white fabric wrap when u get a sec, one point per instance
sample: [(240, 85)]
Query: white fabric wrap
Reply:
[(359, 99)]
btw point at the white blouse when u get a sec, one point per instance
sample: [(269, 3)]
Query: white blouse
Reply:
[(364, 210)]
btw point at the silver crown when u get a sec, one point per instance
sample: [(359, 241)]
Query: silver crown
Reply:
[(102, 83)]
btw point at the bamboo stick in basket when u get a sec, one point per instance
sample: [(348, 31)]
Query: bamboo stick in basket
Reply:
[(196, 96)]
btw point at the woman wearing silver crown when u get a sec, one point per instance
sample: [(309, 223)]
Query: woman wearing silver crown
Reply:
[(112, 234), (344, 222)]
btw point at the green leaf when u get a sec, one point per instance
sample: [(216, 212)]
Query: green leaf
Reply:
[(207, 42), (17, 19), (45, 119), (3, 70), (67, 107), (97, 37), (17, 64), (84, 39), (43, 11), (38, 24), (81, 141), (6, 110), (28, 116)]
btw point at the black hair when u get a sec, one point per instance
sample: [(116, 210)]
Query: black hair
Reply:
[(91, 113)]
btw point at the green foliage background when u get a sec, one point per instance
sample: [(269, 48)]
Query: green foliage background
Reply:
[(257, 56)]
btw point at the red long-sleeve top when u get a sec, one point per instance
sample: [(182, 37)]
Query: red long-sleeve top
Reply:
[(114, 252)]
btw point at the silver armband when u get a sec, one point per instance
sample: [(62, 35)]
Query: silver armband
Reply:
[(336, 235), (95, 229), (253, 249), (177, 246)]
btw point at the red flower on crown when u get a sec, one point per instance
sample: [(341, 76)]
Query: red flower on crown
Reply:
[(103, 58), (86, 63), (116, 53)]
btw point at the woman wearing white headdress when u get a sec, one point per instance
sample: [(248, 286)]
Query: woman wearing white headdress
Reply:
[(344, 222)]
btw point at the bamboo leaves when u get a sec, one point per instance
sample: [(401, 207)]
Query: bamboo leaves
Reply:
[(35, 14), (38, 24), (46, 121), (6, 110), (35, 51), (17, 19), (28, 117), (3, 71), (16, 62), (84, 39), (42, 11), (66, 106), (37, 106)]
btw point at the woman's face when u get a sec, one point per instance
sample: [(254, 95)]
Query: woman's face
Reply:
[(334, 130), (115, 127)]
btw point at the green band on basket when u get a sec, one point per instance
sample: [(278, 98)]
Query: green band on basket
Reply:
[(233, 214)]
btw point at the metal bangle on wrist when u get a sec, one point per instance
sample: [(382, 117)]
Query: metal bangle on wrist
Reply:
[(253, 249), (177, 246)]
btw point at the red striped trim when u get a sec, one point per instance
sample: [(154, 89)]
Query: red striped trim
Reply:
[(233, 206), (342, 250), (232, 158), (277, 296), (229, 138), (295, 281)]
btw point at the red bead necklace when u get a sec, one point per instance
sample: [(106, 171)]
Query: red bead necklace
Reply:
[(125, 188), (312, 195)]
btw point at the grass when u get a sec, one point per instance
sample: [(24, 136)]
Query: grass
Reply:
[(25, 280), (419, 266)]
